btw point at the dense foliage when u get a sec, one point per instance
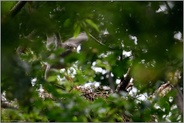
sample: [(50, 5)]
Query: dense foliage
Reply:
[(143, 37)]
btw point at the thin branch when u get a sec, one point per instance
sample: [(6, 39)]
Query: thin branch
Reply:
[(124, 82), (31, 35), (169, 9), (179, 99), (17, 8), (96, 40)]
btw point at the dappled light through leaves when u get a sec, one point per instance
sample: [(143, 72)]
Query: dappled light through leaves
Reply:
[(92, 61)]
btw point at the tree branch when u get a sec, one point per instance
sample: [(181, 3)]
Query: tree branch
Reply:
[(96, 40), (111, 82), (17, 8), (169, 9), (124, 82), (179, 99)]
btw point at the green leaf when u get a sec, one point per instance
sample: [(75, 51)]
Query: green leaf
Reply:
[(52, 78), (92, 24), (7, 6), (67, 22), (77, 29)]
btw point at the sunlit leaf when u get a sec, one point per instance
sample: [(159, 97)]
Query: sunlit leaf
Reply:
[(52, 78), (6, 6), (67, 22), (77, 29), (78, 85), (92, 24)]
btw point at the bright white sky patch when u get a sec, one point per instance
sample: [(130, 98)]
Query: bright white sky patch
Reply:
[(156, 106), (118, 81), (99, 69), (142, 97), (127, 53), (162, 8), (178, 36), (89, 84), (41, 89), (103, 55), (173, 107), (133, 91), (94, 63), (105, 32), (33, 81), (106, 88), (133, 38), (78, 48), (171, 4)]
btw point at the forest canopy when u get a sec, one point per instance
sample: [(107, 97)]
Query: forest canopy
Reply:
[(92, 61)]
